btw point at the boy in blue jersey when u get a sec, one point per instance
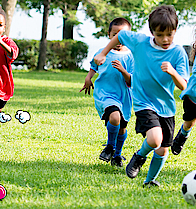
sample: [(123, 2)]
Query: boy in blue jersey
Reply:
[(159, 66), (189, 105), (112, 93)]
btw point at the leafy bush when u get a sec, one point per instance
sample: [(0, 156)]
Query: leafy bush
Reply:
[(28, 52), (60, 54)]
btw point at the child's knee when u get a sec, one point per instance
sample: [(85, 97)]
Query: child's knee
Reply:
[(114, 118), (154, 137), (162, 151)]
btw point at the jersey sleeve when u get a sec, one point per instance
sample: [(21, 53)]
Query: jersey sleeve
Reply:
[(130, 39), (93, 65), (13, 46), (182, 65), (130, 64)]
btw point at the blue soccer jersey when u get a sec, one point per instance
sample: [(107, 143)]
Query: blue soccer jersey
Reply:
[(152, 88), (190, 91), (110, 87)]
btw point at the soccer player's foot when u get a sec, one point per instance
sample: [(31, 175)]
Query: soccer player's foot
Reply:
[(117, 161), (178, 143), (151, 183), (134, 165), (107, 153)]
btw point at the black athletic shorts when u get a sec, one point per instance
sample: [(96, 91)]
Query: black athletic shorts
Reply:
[(2, 103), (108, 111), (147, 119), (189, 109)]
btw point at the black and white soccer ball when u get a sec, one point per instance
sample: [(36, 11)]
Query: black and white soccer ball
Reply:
[(189, 187)]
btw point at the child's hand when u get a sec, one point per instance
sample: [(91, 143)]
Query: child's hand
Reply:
[(117, 64), (99, 59), (167, 67), (87, 86)]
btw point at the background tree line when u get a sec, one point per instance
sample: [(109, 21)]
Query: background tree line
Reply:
[(100, 11)]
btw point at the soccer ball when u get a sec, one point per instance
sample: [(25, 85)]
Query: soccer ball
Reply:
[(189, 188)]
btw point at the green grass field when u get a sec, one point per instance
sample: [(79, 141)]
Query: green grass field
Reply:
[(52, 160)]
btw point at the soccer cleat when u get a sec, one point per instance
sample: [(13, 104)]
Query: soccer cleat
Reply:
[(151, 183), (107, 153), (178, 143), (117, 161), (134, 165)]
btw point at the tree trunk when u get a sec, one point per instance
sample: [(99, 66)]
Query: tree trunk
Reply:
[(43, 42), (9, 7), (68, 28)]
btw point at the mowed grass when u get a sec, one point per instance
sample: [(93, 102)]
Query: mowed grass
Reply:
[(52, 161)]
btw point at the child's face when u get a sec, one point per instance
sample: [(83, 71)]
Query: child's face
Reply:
[(2, 24), (163, 38), (114, 31)]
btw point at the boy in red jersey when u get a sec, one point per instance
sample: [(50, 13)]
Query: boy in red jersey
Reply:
[(8, 53)]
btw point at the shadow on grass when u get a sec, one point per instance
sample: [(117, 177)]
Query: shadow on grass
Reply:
[(52, 76), (67, 181)]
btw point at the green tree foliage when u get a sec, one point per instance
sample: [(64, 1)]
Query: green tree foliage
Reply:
[(9, 7), (69, 9), (103, 12), (186, 10), (65, 54), (136, 11)]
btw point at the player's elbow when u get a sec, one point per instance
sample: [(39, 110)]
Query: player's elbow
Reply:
[(183, 87)]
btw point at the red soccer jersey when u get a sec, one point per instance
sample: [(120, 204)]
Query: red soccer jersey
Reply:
[(6, 77)]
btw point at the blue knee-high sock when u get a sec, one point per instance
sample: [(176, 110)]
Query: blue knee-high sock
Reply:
[(185, 133), (145, 149), (156, 165), (112, 134), (119, 145)]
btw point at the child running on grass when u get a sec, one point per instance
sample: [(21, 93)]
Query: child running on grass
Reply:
[(8, 53), (160, 65), (112, 93), (189, 106)]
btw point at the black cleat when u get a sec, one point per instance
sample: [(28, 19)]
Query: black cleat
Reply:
[(117, 161), (107, 153), (134, 165), (151, 183), (178, 143)]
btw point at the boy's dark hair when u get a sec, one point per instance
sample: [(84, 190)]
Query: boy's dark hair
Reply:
[(2, 12), (163, 17), (119, 21)]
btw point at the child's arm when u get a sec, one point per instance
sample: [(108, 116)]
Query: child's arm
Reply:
[(88, 83), (117, 64), (178, 80), (100, 58), (6, 47)]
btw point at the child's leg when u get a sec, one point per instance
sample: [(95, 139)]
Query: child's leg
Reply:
[(182, 136), (189, 118), (161, 154), (120, 141), (157, 162), (148, 124), (113, 126), (187, 127), (153, 141)]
